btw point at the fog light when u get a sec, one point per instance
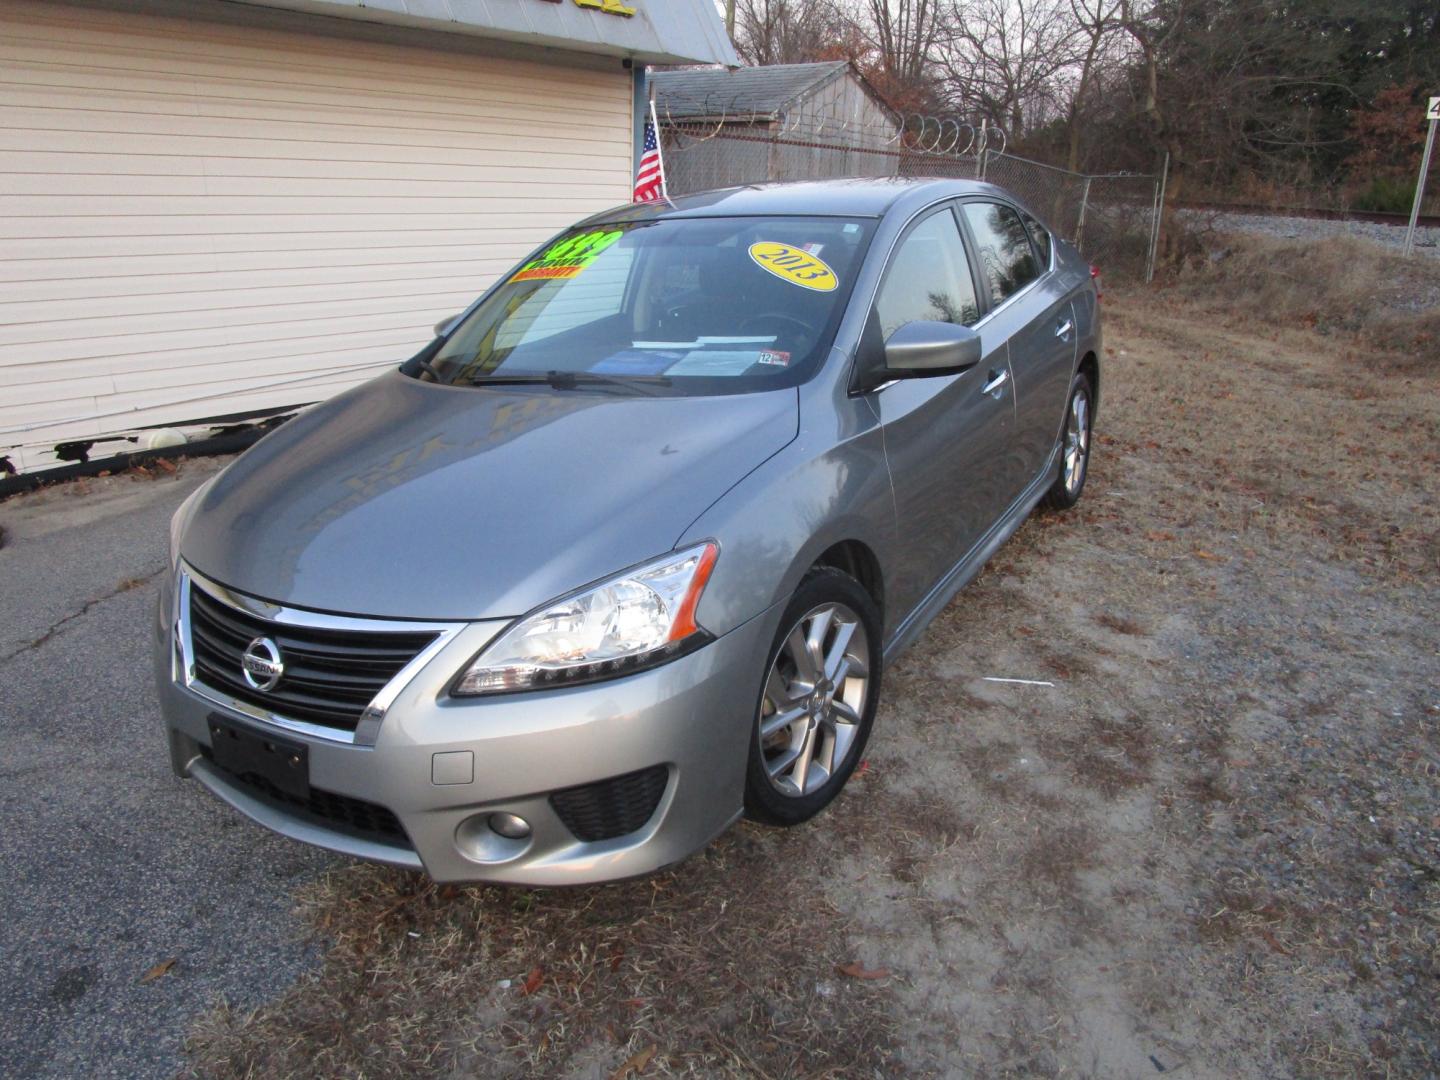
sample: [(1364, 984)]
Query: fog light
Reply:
[(510, 826)]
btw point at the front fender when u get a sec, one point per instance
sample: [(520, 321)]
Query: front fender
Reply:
[(775, 524)]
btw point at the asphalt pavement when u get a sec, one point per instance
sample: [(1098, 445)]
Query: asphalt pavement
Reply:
[(110, 866)]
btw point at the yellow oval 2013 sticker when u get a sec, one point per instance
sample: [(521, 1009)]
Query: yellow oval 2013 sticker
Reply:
[(795, 265)]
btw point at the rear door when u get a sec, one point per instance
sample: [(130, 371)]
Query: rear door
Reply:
[(946, 437), (1031, 308)]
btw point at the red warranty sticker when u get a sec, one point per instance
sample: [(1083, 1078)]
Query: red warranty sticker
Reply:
[(775, 357)]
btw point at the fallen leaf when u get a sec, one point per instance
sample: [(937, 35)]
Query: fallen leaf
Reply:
[(1159, 535), (863, 767), (1201, 553), (855, 971), (533, 981), (166, 464), (158, 970), (634, 1064)]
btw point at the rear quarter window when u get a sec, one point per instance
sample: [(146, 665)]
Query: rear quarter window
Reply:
[(1041, 236)]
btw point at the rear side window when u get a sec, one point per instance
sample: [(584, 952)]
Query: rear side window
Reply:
[(1041, 236), (929, 278), (1003, 247)]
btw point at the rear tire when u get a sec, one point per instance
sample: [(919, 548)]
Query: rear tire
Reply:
[(1075, 445), (818, 696)]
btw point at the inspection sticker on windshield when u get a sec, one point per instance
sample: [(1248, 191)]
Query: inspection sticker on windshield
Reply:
[(795, 265), (568, 257)]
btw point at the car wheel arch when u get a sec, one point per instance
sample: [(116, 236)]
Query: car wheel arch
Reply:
[(1090, 367), (857, 559)]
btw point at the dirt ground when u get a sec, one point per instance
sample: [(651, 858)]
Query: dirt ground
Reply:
[(1211, 848)]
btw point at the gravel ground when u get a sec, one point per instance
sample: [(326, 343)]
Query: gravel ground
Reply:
[(1427, 240)]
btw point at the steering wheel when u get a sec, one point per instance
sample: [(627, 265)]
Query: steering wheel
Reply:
[(776, 316)]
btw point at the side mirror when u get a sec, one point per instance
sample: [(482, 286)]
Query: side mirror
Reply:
[(445, 325), (924, 348)]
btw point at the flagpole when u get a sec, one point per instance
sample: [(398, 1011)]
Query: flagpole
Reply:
[(659, 151)]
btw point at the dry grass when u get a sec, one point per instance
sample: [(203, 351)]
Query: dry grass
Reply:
[(1344, 287), (1212, 846), (725, 966)]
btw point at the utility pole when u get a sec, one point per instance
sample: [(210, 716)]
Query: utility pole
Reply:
[(730, 18), (1433, 115)]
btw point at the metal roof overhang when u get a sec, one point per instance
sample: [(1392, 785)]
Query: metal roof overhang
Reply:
[(659, 32)]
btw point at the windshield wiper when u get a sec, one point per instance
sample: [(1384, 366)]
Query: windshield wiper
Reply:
[(570, 380)]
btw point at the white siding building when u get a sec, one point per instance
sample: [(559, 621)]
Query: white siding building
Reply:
[(212, 209)]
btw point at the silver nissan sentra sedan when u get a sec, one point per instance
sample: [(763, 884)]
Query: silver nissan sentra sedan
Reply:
[(623, 553)]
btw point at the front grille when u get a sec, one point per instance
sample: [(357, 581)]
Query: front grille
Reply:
[(341, 812), (330, 675), (611, 808)]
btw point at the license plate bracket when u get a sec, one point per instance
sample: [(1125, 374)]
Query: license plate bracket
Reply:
[(280, 762)]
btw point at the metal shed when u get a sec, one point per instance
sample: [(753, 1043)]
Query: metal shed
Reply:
[(782, 122)]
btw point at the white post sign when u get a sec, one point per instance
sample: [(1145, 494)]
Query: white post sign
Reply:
[(1433, 115)]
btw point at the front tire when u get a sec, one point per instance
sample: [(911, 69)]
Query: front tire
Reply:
[(1074, 447), (817, 702)]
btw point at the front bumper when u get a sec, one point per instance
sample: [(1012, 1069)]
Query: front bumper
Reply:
[(692, 716)]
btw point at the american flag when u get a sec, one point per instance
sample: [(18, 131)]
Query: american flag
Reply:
[(650, 177)]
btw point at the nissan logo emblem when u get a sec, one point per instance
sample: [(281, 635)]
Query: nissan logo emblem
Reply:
[(261, 664)]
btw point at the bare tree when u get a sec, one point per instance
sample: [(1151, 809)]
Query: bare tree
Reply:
[(902, 36), (788, 31), (1001, 58), (1097, 24)]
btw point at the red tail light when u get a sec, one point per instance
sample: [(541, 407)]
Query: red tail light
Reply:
[(1095, 277)]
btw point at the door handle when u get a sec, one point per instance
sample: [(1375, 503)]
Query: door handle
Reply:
[(996, 384), (1064, 328)]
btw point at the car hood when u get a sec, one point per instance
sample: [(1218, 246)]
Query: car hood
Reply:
[(409, 500)]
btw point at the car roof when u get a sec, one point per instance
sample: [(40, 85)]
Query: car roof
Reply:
[(862, 197)]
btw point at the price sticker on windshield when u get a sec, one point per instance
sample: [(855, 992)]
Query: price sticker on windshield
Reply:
[(795, 265), (568, 257)]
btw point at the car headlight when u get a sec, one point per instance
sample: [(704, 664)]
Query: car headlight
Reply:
[(636, 620)]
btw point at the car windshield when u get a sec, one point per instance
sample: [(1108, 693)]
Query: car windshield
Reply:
[(688, 305)]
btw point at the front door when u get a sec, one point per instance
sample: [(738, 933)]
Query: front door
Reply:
[(947, 437)]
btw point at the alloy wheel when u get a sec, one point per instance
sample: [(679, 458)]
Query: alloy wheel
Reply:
[(1077, 441), (815, 696)]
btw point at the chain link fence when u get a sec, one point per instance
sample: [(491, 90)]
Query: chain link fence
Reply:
[(1112, 219)]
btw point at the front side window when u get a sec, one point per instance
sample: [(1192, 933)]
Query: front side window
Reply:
[(1003, 247), (929, 278), (690, 305)]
